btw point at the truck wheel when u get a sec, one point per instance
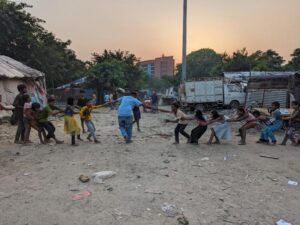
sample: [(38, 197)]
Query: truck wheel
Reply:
[(200, 107), (234, 104)]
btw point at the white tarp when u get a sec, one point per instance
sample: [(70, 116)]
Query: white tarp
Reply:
[(13, 73)]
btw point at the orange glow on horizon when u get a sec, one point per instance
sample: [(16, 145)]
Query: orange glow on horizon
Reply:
[(152, 28)]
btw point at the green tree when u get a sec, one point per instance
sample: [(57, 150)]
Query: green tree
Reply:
[(239, 61), (202, 63), (294, 63), (115, 69), (267, 61), (24, 39), (134, 76), (163, 82)]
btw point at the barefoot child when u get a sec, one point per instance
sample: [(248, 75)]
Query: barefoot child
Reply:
[(27, 117), (19, 112), (220, 131), (198, 131), (181, 122), (47, 111), (273, 124), (136, 113), (70, 125), (81, 102), (250, 121), (294, 124), (31, 120), (85, 114)]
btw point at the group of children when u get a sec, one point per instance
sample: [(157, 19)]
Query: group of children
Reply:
[(221, 130), (32, 116)]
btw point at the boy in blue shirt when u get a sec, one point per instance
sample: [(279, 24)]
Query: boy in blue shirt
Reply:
[(127, 103)]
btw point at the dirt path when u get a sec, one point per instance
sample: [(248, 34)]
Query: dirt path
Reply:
[(234, 186)]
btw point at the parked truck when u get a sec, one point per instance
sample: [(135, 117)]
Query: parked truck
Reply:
[(208, 94)]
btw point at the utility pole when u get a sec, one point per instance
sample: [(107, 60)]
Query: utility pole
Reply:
[(183, 75)]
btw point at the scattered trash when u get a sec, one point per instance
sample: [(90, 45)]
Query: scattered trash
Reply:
[(292, 183), (225, 158), (139, 185), (166, 161), (282, 222), (153, 192), (118, 214), (81, 195), (100, 176), (27, 174), (183, 220), (84, 178), (74, 189), (17, 153), (169, 209), (272, 179), (268, 157), (148, 209), (167, 136), (205, 159), (172, 156), (198, 165), (110, 189)]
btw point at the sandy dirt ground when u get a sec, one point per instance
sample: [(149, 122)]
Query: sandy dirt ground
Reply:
[(209, 185)]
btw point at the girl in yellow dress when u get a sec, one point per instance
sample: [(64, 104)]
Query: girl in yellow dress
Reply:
[(71, 126)]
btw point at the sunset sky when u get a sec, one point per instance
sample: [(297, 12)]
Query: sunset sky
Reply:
[(150, 28)]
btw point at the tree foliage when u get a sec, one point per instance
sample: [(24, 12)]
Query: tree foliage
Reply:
[(204, 62), (23, 38), (115, 69), (163, 82), (239, 61), (268, 61), (294, 63)]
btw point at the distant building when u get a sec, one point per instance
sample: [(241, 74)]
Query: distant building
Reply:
[(164, 65)]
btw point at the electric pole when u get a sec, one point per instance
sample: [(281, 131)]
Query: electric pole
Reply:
[(183, 75)]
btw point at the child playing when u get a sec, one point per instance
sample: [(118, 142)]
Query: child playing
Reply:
[(85, 113), (220, 131), (198, 131), (81, 102), (136, 113), (49, 110), (70, 125), (294, 124), (273, 124), (27, 117), (250, 121), (31, 120), (181, 122)]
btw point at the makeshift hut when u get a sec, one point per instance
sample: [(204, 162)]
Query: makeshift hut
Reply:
[(13, 73), (72, 89)]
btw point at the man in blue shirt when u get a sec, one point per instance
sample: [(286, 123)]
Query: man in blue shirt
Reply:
[(127, 103)]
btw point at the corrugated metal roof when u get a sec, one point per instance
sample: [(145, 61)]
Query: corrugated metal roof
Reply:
[(10, 68), (75, 82), (246, 75)]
